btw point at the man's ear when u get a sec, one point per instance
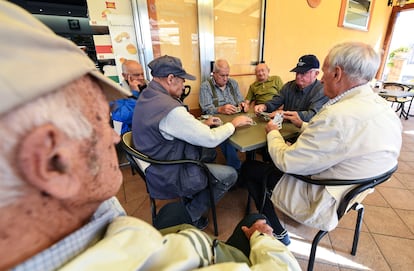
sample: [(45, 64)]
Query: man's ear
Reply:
[(45, 158), (338, 73)]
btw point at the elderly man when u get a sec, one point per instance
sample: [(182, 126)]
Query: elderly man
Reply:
[(264, 88), (133, 75), (220, 94), (302, 97), (355, 135), (59, 171), (170, 132)]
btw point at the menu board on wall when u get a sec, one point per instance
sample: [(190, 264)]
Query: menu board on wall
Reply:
[(123, 38)]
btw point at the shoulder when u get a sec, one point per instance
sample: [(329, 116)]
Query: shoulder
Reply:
[(233, 82), (275, 78)]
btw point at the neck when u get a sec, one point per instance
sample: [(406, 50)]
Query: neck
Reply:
[(31, 225)]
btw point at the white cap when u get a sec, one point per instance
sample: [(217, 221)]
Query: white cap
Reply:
[(36, 61)]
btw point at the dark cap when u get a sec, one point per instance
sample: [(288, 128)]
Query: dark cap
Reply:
[(306, 63), (165, 65)]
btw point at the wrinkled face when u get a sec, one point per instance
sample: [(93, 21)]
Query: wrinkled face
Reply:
[(262, 72), (175, 86), (98, 164), (135, 72), (221, 76), (305, 79)]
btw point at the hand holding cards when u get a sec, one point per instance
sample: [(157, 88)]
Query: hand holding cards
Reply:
[(278, 119)]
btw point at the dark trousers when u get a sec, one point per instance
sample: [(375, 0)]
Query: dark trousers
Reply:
[(260, 179), (175, 213)]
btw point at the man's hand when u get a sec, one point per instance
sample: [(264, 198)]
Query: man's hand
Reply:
[(270, 126), (259, 108), (241, 121), (260, 225), (227, 109), (213, 121), (133, 82), (293, 117)]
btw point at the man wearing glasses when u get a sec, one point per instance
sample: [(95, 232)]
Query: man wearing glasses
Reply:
[(133, 75), (301, 97)]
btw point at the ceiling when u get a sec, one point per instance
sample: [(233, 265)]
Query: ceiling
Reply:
[(75, 8)]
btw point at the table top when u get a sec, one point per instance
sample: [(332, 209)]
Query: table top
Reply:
[(383, 92), (249, 138)]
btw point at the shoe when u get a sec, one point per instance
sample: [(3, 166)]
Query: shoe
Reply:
[(201, 223), (283, 237)]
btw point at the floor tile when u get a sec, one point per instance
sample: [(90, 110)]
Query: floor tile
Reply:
[(397, 251), (408, 217), (368, 256), (385, 221), (398, 198)]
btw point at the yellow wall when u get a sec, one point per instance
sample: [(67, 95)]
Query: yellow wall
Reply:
[(294, 29)]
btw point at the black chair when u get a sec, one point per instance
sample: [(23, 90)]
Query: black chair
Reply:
[(137, 161), (349, 202), (400, 101)]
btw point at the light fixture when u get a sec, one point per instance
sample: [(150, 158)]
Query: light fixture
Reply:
[(401, 3)]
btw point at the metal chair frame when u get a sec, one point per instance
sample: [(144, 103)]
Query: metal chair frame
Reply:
[(401, 101), (344, 206), (132, 153)]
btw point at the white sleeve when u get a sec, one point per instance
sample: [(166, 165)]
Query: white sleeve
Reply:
[(179, 123)]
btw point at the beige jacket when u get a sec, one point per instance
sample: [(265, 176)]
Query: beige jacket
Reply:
[(357, 137)]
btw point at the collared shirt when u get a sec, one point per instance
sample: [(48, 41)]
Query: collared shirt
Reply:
[(223, 96), (66, 249), (307, 102), (262, 92)]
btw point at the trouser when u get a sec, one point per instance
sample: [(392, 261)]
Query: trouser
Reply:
[(224, 178), (230, 153), (261, 178), (173, 214)]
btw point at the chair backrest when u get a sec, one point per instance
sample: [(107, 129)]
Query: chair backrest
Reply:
[(361, 185)]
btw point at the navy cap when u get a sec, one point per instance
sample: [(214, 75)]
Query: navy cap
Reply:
[(306, 63), (165, 65)]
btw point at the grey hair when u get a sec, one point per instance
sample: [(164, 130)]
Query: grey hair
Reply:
[(61, 108), (220, 64), (358, 60)]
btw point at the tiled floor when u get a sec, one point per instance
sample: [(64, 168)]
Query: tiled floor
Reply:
[(387, 236)]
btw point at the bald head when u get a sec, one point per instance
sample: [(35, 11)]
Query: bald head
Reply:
[(133, 73)]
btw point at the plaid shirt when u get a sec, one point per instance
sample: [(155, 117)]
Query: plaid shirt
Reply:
[(63, 251)]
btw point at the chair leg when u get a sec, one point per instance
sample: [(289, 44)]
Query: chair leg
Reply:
[(358, 225), (213, 208), (315, 243), (153, 209)]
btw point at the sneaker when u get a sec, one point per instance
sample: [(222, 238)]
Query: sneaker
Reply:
[(201, 223), (283, 237)]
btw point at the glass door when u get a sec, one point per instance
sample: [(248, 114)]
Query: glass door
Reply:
[(198, 32)]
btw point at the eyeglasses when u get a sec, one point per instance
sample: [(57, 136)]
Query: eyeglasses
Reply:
[(136, 74)]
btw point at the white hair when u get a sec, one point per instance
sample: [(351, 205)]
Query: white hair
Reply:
[(358, 60), (62, 108)]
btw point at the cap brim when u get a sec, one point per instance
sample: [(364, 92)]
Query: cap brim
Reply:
[(188, 76), (300, 70), (112, 90)]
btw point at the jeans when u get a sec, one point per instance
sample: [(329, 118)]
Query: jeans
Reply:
[(224, 178), (230, 153)]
